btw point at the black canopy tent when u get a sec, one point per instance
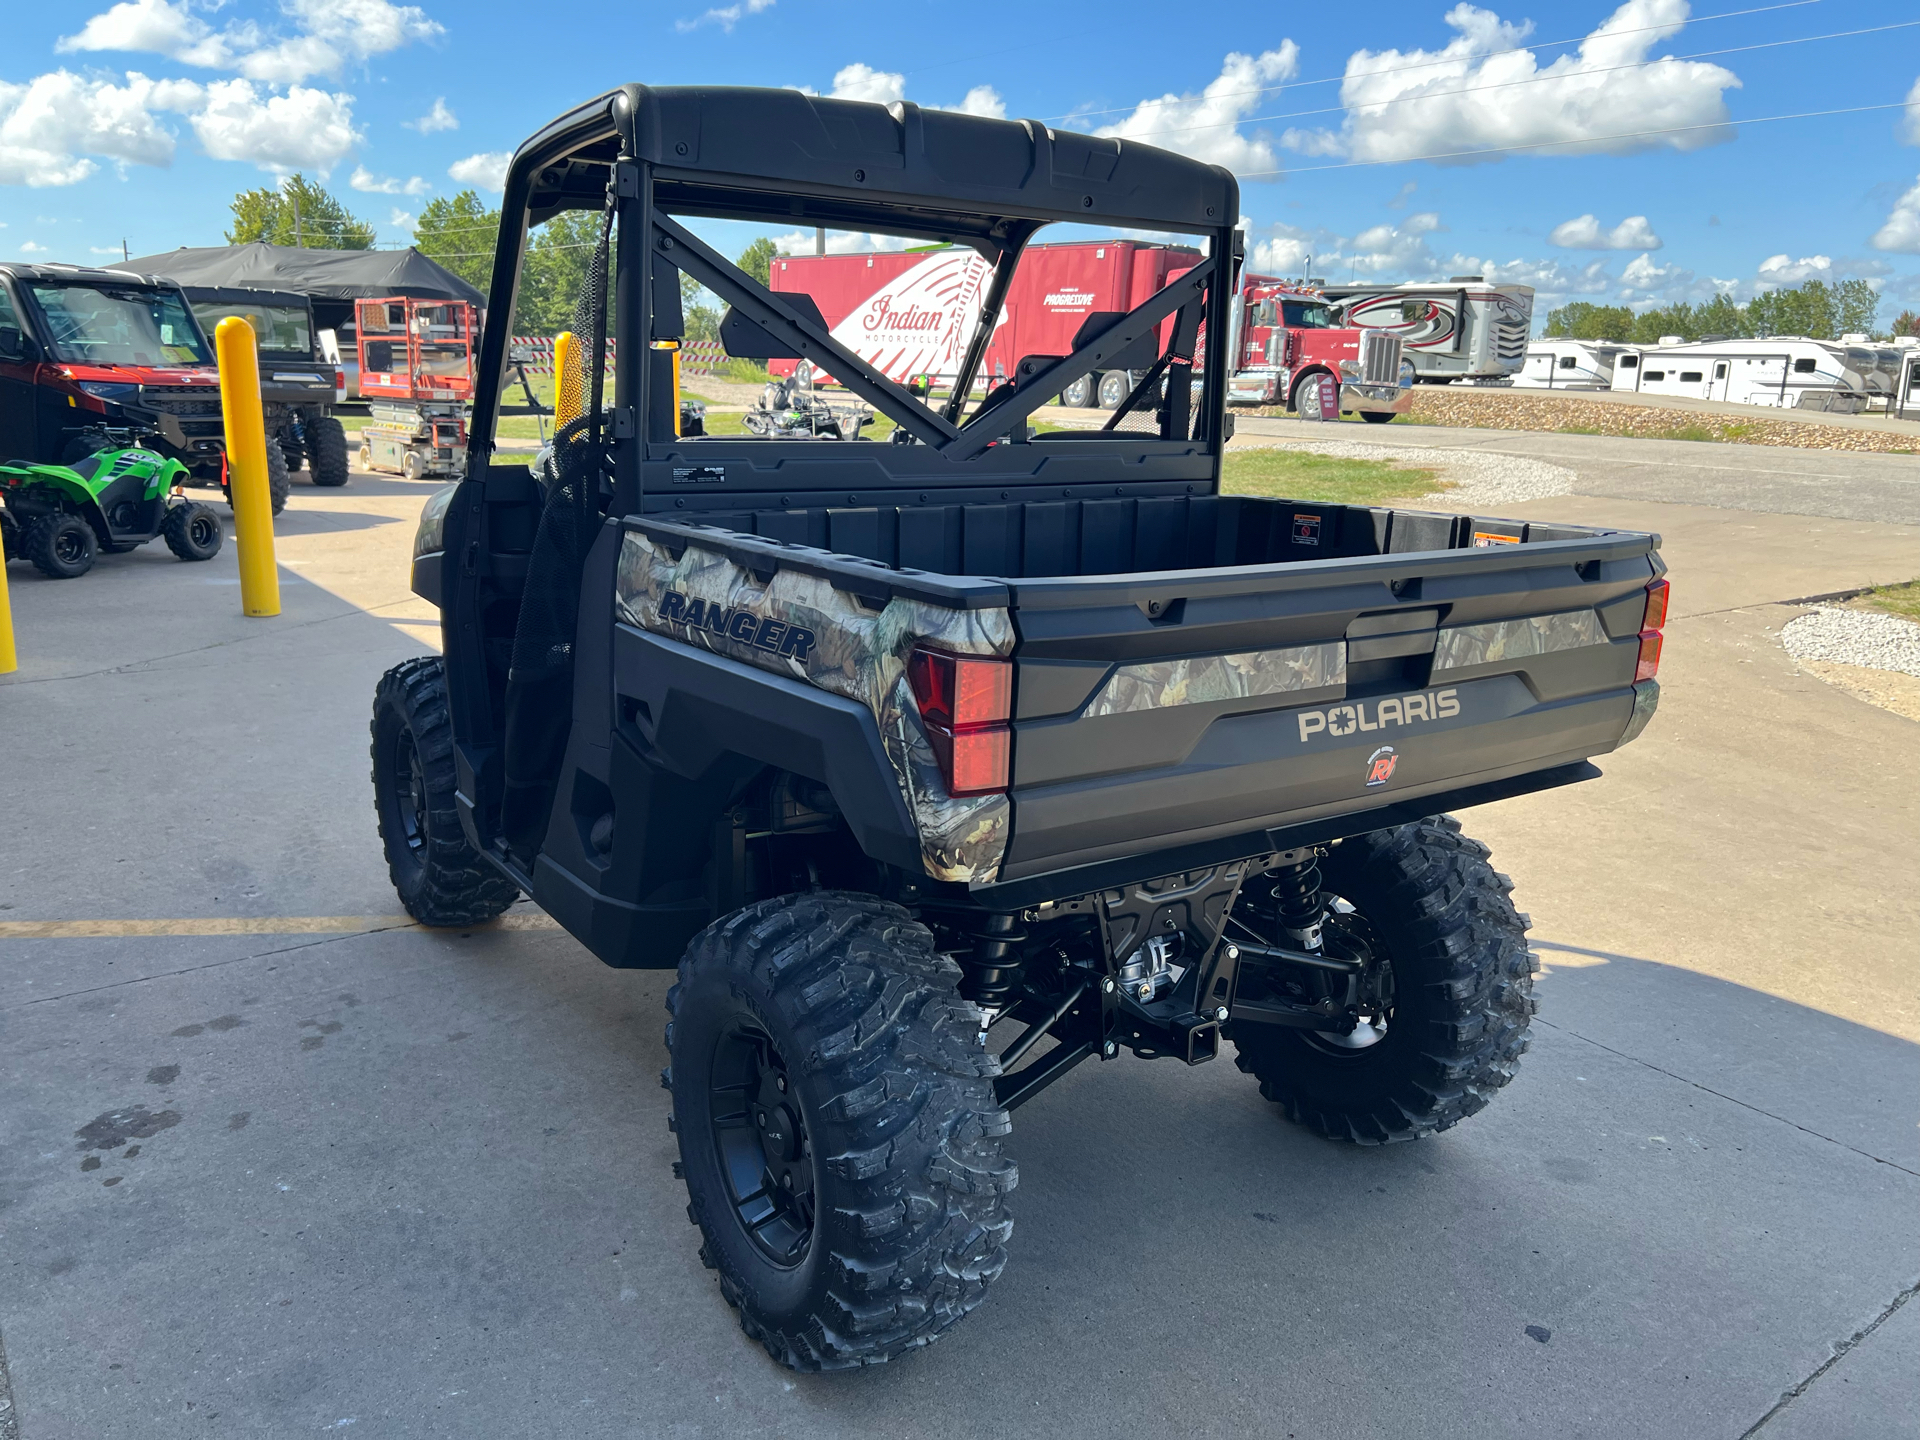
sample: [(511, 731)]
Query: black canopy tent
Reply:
[(333, 279)]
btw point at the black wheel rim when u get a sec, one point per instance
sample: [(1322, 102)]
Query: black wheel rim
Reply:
[(409, 793), (70, 547), (760, 1139), (201, 530)]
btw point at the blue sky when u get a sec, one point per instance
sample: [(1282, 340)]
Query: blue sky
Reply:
[(1404, 139)]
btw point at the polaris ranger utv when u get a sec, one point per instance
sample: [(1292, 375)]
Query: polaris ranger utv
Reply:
[(942, 765)]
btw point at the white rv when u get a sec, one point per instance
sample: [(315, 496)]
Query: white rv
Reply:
[(1568, 365), (1465, 329), (1780, 371), (1906, 395)]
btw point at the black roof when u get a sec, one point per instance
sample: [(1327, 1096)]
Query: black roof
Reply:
[(82, 274), (784, 156), (320, 274), (246, 295)]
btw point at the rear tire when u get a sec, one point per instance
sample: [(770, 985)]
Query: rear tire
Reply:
[(411, 465), (192, 531), (10, 542), (839, 1135), (327, 452), (440, 878), (279, 485), (1078, 395), (61, 547), (1114, 389), (1462, 988)]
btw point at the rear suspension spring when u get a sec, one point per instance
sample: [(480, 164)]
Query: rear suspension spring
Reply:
[(993, 965), (1298, 902)]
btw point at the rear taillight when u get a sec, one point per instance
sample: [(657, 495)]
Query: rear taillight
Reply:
[(966, 702), (1651, 624)]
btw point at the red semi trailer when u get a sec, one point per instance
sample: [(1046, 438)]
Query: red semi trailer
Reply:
[(909, 313)]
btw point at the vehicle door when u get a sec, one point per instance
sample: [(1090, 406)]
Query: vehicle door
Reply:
[(1626, 370), (1539, 368), (18, 361), (1909, 393), (1720, 384)]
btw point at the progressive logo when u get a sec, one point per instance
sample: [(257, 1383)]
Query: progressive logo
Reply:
[(1362, 716)]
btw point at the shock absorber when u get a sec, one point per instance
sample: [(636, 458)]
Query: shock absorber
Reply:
[(1297, 901), (994, 964)]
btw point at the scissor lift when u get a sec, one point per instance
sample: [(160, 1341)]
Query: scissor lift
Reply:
[(416, 375)]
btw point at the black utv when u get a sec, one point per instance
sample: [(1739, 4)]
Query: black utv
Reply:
[(940, 765)]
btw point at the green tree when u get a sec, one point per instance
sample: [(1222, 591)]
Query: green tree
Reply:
[(460, 234), (1722, 316), (703, 319), (1857, 306), (298, 212), (554, 273), (757, 260), (1808, 310), (1907, 323), (1582, 320)]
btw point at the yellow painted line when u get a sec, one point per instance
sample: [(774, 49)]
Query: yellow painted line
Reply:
[(241, 925)]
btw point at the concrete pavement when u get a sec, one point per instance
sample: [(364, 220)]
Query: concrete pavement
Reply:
[(403, 1182)]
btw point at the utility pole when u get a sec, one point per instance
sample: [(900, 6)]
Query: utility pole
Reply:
[(820, 240), (125, 254), (296, 221)]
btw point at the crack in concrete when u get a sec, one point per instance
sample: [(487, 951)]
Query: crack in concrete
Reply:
[(1839, 1351), (1731, 1099), (210, 965)]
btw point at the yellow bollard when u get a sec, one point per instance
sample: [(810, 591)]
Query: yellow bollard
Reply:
[(569, 388), (9, 661), (247, 466)]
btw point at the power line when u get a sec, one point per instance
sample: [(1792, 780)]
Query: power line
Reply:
[(1579, 140), (1451, 60), (1509, 84)]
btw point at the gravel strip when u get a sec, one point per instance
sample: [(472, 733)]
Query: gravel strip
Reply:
[(1479, 480), (1855, 637), (1499, 408)]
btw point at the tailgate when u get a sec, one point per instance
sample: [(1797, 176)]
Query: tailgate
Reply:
[(1159, 710)]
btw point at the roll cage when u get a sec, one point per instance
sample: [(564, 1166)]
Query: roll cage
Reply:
[(662, 156)]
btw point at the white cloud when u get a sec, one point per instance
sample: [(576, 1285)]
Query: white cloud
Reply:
[(329, 35), (863, 82), (106, 250), (438, 118), (1378, 252), (302, 130), (32, 249), (485, 171), (1399, 201), (1910, 127), (1779, 270), (1207, 126), (1901, 233), (1644, 278), (1584, 233), (365, 181), (1468, 96), (726, 16), (50, 125), (402, 220), (983, 100), (839, 242)]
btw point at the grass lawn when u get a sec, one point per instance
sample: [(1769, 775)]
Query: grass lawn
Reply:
[(1901, 600), (1294, 475)]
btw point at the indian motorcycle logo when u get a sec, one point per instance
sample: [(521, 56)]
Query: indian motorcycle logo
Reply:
[(762, 632), (1394, 710)]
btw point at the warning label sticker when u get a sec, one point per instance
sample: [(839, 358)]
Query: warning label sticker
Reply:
[(1306, 529), (1486, 539)]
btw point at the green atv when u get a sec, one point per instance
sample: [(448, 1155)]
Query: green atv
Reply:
[(62, 516)]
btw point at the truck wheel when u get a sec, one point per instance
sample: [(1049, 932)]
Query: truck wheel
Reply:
[(327, 452), (1293, 395), (1079, 394), (838, 1130), (192, 531), (62, 547), (278, 483), (1114, 389), (366, 456), (411, 465), (440, 878), (1457, 997)]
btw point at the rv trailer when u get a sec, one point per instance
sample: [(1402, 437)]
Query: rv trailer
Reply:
[(1779, 371), (1568, 365), (1465, 329)]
